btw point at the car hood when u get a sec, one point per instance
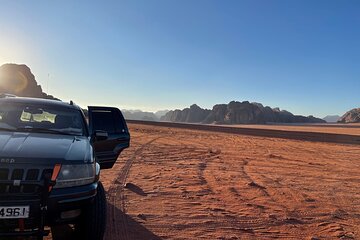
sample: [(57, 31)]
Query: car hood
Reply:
[(20, 146)]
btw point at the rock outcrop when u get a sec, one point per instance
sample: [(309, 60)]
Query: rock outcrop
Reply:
[(18, 80), (237, 113), (194, 114), (352, 116)]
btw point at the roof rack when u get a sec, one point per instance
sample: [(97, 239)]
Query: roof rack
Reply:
[(5, 95)]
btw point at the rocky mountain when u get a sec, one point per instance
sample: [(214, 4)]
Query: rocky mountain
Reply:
[(237, 113), (18, 80), (194, 114), (352, 116), (331, 118)]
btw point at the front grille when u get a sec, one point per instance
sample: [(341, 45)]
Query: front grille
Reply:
[(22, 174)]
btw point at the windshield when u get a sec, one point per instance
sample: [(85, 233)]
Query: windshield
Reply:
[(44, 119)]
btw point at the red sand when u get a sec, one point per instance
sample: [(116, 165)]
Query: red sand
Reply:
[(188, 184)]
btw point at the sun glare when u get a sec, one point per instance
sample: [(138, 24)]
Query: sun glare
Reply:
[(12, 82)]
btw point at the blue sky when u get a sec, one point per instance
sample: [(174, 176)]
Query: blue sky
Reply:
[(302, 56)]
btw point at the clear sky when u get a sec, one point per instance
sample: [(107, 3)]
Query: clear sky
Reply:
[(302, 56)]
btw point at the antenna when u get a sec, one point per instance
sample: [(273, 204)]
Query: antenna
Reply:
[(47, 84)]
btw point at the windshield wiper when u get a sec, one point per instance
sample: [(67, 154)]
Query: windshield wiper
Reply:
[(7, 129), (43, 130)]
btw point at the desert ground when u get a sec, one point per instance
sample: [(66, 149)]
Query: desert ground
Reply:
[(176, 183), (353, 129)]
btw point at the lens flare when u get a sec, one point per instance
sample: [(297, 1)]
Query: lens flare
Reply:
[(13, 82)]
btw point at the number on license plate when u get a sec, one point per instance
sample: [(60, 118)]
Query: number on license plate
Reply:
[(14, 212)]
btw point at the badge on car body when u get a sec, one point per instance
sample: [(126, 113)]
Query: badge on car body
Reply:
[(17, 183), (7, 160)]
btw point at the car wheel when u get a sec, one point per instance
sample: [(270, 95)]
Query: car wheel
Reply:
[(93, 220)]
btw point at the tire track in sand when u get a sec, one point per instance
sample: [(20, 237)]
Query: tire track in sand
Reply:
[(116, 193)]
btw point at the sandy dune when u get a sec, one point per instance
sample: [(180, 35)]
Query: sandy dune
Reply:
[(178, 183)]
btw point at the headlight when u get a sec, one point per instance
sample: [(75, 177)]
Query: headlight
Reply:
[(75, 175)]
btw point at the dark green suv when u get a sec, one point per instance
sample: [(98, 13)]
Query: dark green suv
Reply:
[(50, 161)]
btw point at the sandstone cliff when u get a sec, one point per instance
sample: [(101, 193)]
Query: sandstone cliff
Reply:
[(237, 113), (18, 80), (352, 116)]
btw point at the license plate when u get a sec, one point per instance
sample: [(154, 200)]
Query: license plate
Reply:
[(14, 212)]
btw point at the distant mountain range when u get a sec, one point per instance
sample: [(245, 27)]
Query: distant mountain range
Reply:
[(161, 113), (18, 80), (237, 113), (140, 115), (331, 118)]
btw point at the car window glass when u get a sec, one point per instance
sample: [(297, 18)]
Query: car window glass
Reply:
[(103, 120), (119, 122), (40, 117), (31, 116)]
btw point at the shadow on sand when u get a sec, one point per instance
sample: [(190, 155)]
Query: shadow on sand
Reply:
[(134, 230), (63, 232), (136, 189)]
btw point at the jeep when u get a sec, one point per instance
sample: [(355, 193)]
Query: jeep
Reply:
[(50, 161)]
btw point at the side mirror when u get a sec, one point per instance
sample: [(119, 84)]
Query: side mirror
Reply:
[(101, 135)]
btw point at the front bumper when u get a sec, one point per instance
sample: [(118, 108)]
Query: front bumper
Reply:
[(68, 199), (57, 202)]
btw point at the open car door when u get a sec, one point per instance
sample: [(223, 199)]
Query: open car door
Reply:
[(109, 134)]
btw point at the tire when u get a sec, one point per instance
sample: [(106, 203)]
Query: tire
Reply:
[(93, 220)]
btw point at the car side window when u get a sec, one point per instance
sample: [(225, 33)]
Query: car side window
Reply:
[(104, 120), (119, 123)]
